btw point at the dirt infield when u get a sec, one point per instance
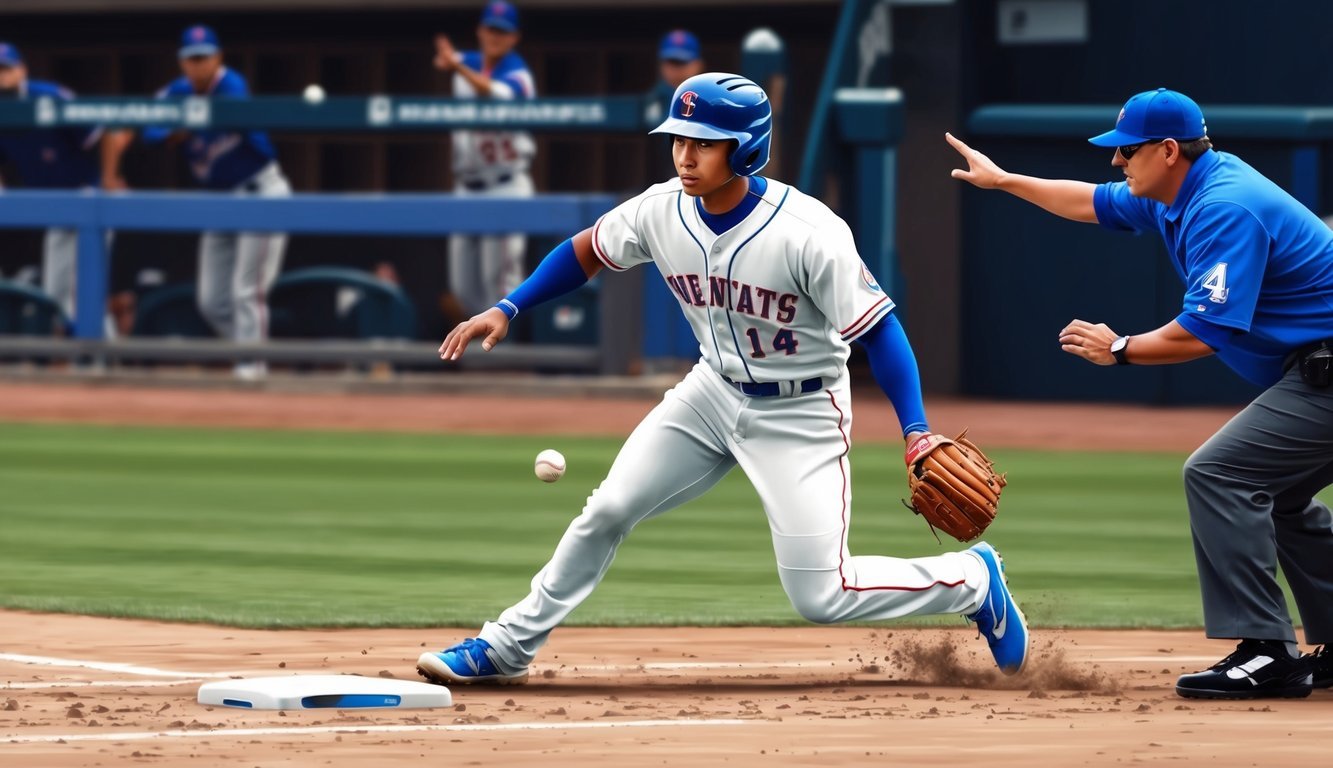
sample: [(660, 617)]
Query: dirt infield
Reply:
[(81, 691), (639, 697)]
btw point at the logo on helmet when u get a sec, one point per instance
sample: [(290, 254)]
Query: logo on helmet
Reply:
[(687, 99)]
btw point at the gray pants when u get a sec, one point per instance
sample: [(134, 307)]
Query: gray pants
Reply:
[(60, 259), (484, 268), (236, 269), (1250, 490)]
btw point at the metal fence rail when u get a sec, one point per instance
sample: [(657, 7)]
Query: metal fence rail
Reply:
[(93, 213)]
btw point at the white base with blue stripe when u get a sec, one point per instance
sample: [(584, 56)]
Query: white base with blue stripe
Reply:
[(324, 692)]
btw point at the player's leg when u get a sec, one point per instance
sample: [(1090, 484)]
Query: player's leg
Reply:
[(217, 263), (258, 261), (503, 261), (60, 248), (673, 456), (1278, 443), (465, 277), (1304, 529), (795, 452), (501, 268)]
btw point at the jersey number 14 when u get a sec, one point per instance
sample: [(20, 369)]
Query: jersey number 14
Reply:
[(783, 341)]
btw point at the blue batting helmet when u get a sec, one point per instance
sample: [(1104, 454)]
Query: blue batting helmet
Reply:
[(720, 106)]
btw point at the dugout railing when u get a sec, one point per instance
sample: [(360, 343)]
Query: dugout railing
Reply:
[(437, 215)]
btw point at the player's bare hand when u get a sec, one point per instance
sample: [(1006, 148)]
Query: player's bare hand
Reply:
[(445, 54), (491, 326), (1088, 341), (981, 171)]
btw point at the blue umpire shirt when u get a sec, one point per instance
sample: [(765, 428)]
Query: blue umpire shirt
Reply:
[(1257, 265), (218, 159), (52, 158)]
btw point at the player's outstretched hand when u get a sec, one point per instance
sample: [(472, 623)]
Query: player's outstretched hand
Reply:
[(492, 324), (1088, 341), (445, 55), (981, 171)]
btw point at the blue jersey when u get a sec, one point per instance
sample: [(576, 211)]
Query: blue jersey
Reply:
[(1257, 265), (218, 159), (52, 158)]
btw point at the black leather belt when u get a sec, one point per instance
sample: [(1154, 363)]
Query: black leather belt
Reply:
[(773, 388), (477, 185)]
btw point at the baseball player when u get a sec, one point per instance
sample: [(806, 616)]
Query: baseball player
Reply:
[(236, 269), (488, 163), (61, 158), (1258, 273), (775, 292)]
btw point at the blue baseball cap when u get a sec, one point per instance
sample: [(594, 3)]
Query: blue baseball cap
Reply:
[(501, 15), (198, 41), (10, 56), (678, 45), (1159, 114)]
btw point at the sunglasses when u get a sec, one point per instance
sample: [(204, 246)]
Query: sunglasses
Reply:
[(1128, 151)]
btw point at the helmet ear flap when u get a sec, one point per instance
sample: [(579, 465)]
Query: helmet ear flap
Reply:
[(751, 156)]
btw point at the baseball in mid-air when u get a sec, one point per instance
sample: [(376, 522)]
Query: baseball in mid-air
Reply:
[(313, 94), (550, 466)]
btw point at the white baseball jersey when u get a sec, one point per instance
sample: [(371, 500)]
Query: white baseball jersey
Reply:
[(777, 297), (490, 155)]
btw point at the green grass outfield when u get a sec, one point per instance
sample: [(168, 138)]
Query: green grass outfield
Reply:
[(270, 528)]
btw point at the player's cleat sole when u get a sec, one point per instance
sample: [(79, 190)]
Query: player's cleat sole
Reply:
[(1257, 669), (471, 662), (999, 620)]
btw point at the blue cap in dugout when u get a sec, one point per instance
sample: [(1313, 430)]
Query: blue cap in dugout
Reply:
[(500, 15), (679, 45), (1159, 114), (198, 40), (718, 106), (10, 56)]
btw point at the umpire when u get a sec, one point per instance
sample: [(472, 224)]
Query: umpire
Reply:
[(1258, 271)]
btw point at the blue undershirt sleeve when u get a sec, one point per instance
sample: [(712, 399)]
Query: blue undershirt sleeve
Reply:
[(559, 273), (896, 372)]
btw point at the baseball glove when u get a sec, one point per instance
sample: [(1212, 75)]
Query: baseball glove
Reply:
[(953, 484)]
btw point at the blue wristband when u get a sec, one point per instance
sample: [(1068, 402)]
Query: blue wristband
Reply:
[(506, 306)]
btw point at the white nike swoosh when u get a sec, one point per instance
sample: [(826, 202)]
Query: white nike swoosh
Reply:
[(476, 669), (1003, 622)]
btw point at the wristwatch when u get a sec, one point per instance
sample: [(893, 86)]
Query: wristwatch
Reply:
[(1118, 350)]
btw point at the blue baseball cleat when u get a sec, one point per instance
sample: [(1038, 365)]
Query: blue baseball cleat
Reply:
[(471, 661), (1000, 619)]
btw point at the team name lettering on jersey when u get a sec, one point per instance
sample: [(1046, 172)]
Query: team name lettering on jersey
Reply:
[(743, 298), (785, 277)]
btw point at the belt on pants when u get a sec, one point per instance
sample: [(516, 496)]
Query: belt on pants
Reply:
[(774, 388), (1298, 355), (477, 185)]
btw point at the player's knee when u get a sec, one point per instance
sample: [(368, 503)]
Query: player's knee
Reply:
[(814, 596), (610, 512), (817, 611)]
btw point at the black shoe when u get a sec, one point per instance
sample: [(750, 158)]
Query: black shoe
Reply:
[(1258, 669), (1321, 666)]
